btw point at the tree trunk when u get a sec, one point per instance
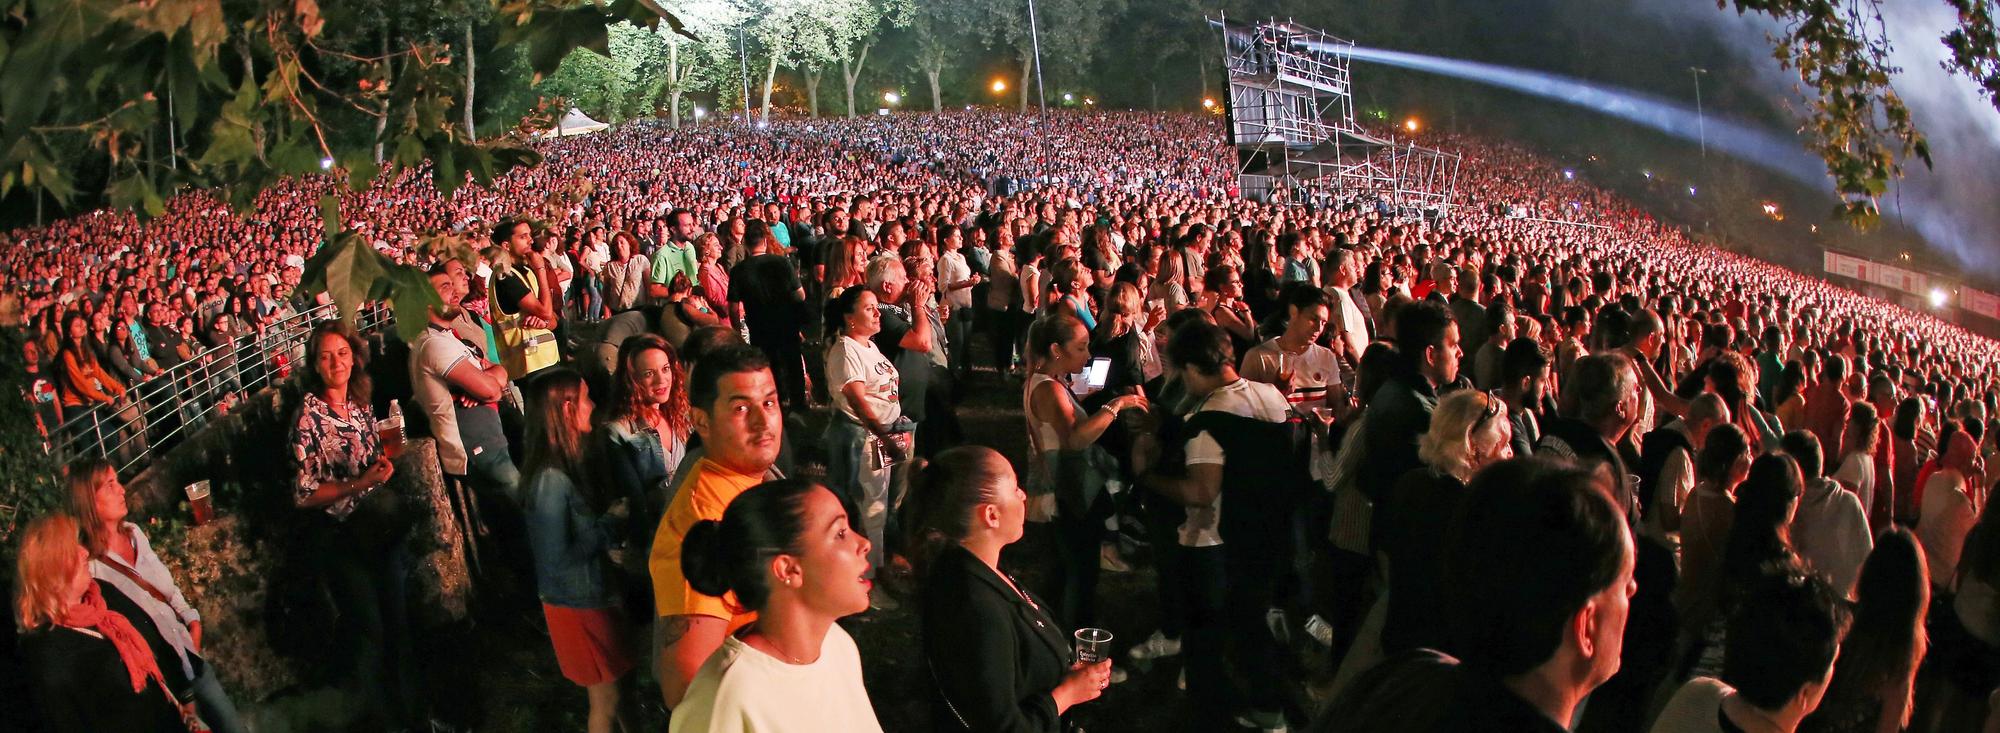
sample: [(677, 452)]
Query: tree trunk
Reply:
[(1156, 94), (852, 73), (812, 90), (382, 118), (937, 100), (770, 76), (471, 131), (1027, 67), (674, 85)]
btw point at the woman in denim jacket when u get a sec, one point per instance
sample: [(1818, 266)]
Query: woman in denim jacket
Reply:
[(571, 520)]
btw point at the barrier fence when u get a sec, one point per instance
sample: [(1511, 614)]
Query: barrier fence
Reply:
[(163, 410)]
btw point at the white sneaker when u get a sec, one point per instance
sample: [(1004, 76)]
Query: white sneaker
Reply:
[(1267, 722), (1154, 647), (1320, 630), (1281, 627)]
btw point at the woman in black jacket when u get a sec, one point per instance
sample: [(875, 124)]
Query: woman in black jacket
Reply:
[(999, 660), (91, 654)]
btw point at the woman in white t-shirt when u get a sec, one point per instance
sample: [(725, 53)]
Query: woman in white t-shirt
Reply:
[(867, 435), (783, 549)]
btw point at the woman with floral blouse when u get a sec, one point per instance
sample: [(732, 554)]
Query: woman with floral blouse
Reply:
[(364, 552)]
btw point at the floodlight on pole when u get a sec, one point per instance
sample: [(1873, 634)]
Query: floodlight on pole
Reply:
[(892, 97), (1411, 125), (999, 85), (1207, 103)]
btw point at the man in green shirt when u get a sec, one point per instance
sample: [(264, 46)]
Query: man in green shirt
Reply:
[(676, 255)]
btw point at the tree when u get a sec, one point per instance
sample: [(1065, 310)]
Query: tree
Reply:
[(936, 27), (1011, 18), (1856, 121), (1161, 37), (852, 25), (695, 64), (1073, 31), (256, 90)]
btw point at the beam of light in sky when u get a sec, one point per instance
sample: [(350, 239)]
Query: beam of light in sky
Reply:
[(1784, 155)]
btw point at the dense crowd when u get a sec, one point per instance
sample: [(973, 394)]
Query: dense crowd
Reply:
[(1390, 470)]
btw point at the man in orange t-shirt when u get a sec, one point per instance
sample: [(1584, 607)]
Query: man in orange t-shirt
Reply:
[(735, 409)]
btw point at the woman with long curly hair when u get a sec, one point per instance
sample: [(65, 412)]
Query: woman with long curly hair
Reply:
[(646, 427)]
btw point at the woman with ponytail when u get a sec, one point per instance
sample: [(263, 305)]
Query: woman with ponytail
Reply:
[(788, 550), (999, 660), (87, 648)]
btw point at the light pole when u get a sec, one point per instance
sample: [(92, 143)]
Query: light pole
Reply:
[(743, 61), (1041, 98), (1701, 119)]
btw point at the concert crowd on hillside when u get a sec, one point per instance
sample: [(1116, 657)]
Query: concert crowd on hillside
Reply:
[(1388, 470)]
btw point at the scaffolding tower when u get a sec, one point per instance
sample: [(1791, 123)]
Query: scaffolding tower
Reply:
[(1290, 112)]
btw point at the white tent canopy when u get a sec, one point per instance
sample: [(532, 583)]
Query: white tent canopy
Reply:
[(572, 124)]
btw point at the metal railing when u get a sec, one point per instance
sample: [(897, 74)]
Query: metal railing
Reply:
[(160, 412)]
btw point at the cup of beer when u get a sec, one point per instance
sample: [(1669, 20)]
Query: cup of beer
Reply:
[(390, 431), (204, 509)]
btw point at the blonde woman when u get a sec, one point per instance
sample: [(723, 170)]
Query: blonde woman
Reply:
[(90, 665), (1469, 431), (121, 556)]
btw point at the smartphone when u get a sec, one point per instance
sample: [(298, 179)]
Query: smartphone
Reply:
[(1092, 378)]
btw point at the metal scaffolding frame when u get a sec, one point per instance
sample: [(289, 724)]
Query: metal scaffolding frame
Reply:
[(1290, 112)]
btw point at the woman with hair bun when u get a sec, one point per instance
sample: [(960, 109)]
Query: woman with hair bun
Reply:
[(1000, 661), (787, 550)]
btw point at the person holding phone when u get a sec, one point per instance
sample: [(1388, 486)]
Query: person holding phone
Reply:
[(1069, 468)]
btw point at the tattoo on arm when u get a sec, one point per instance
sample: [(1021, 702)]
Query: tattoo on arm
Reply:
[(672, 629)]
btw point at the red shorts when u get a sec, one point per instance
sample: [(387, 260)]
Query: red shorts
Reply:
[(591, 643)]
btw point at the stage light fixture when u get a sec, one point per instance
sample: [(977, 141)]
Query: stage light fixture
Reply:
[(1411, 124), (1208, 103), (1938, 297), (999, 85), (892, 97)]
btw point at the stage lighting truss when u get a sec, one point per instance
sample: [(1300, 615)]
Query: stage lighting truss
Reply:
[(1290, 110)]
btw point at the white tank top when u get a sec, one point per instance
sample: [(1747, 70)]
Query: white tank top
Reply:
[(1042, 435)]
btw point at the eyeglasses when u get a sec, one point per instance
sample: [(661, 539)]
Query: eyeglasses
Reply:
[(1493, 404)]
